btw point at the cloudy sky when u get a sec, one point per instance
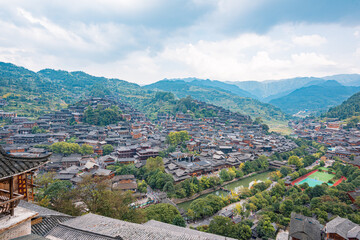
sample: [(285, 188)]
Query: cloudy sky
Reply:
[(144, 41)]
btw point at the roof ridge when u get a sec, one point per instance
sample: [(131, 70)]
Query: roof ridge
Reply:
[(86, 231), (30, 159)]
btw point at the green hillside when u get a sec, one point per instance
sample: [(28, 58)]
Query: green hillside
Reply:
[(314, 98), (216, 85), (349, 108), (220, 97), (33, 94), (270, 89)]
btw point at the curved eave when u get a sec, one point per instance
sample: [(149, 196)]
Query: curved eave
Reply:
[(26, 171), (16, 158)]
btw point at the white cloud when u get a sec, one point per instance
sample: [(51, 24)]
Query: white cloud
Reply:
[(311, 59), (309, 40), (128, 40), (357, 52)]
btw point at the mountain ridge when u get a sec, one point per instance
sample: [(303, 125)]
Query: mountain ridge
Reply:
[(220, 97), (315, 98)]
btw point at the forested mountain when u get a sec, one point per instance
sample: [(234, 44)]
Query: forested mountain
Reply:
[(220, 97), (349, 108), (271, 89), (214, 84), (315, 97), (165, 102), (268, 90), (345, 79), (33, 94)]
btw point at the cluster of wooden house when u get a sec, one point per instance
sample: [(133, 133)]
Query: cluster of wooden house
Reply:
[(302, 227), (341, 142), (20, 219)]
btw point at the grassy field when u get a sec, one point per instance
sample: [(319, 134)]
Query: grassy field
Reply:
[(279, 127)]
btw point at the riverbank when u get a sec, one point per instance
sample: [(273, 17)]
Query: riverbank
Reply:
[(217, 188)]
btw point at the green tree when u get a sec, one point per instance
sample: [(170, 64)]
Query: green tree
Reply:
[(102, 117), (285, 171), (176, 138), (169, 188), (265, 229), (162, 212), (107, 149), (241, 231), (295, 160), (287, 207), (179, 221), (221, 226), (57, 189), (86, 149), (154, 164), (224, 175), (142, 186), (357, 201), (206, 206), (65, 148), (37, 129), (99, 199)]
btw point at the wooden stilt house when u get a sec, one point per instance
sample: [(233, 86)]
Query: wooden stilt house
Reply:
[(16, 179)]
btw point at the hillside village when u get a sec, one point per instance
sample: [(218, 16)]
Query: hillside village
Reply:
[(216, 142), (180, 120), (342, 142), (212, 146)]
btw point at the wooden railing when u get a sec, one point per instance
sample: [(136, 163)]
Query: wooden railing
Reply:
[(7, 204)]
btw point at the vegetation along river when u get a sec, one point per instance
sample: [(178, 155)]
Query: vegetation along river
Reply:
[(231, 186)]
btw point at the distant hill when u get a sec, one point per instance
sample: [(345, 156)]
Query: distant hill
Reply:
[(345, 79), (33, 94), (347, 109), (268, 90), (272, 89), (165, 102), (214, 84), (315, 97), (219, 97)]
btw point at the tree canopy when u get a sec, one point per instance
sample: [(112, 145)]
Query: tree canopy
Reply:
[(102, 117)]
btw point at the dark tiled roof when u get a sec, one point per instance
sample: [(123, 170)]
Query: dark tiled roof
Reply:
[(173, 228), (302, 227), (47, 224), (12, 165), (30, 237), (109, 228), (42, 211), (69, 233), (340, 226), (50, 218)]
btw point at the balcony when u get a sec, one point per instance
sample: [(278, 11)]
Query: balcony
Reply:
[(7, 202)]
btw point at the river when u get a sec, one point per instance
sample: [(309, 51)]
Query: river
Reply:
[(231, 186)]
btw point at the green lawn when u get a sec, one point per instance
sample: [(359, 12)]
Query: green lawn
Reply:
[(279, 127)]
